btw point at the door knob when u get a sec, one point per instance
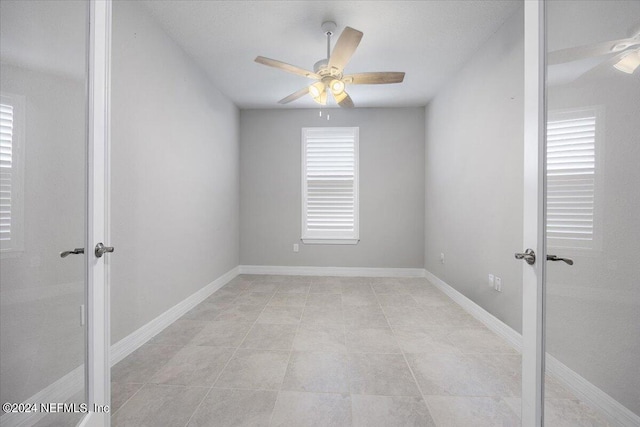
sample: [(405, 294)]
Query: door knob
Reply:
[(102, 249), (557, 258), (76, 251), (529, 256)]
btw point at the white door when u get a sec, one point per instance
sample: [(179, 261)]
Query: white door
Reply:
[(581, 304), (534, 217), (53, 212)]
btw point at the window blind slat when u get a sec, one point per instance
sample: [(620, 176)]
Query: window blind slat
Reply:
[(330, 197), (571, 160)]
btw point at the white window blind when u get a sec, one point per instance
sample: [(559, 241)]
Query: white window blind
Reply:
[(330, 185), (571, 175), (11, 172), (6, 162)]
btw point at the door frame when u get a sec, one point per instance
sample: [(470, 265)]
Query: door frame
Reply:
[(97, 366), (534, 215)]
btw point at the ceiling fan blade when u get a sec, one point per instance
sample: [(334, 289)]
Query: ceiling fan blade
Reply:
[(344, 48), (379, 78), (592, 50), (286, 67), (345, 101), (299, 94)]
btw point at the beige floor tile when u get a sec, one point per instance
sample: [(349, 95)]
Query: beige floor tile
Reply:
[(294, 287), (447, 374), (328, 286), (398, 300), (471, 411), (253, 298), (235, 408), (388, 285), (381, 374), (407, 316), (288, 299), (241, 313), (179, 332), (222, 334), (324, 300), (317, 372), (294, 409), (270, 337), (424, 339), (159, 405), (282, 315), (120, 393), (254, 369), (359, 299), (313, 337), (323, 316), (143, 363), (194, 366), (479, 340), (205, 311), (364, 316), (385, 411), (371, 340), (571, 413)]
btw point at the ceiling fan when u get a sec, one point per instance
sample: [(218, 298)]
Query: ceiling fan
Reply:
[(625, 53), (329, 72)]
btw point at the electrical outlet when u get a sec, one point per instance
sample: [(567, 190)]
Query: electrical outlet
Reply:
[(491, 282), (498, 284), (296, 247), (441, 257)]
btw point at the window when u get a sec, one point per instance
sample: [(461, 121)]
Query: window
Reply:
[(571, 179), (330, 185), (11, 122)]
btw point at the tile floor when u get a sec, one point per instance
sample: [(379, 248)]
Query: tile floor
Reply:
[(328, 351)]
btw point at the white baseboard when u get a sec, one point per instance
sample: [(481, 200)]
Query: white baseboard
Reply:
[(614, 412), (133, 341), (60, 391), (496, 325), (332, 271)]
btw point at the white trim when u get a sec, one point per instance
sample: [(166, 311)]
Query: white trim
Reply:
[(612, 410), (133, 341), (534, 215), (97, 378), (330, 241), (489, 320), (331, 271)]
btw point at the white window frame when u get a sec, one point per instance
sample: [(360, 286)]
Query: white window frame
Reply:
[(331, 237), (16, 245), (594, 245)]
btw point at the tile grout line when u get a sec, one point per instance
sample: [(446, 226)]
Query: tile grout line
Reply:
[(404, 356), (232, 355), (304, 308), (165, 364)]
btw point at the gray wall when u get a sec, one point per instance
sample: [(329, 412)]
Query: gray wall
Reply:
[(175, 180), (391, 188), (474, 167)]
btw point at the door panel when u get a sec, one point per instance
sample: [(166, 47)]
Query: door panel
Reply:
[(44, 110), (593, 206)]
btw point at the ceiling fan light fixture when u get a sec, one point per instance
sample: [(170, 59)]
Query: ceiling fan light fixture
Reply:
[(629, 63), (337, 87), (318, 93)]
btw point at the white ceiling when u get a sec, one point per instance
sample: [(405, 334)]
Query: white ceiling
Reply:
[(429, 40)]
